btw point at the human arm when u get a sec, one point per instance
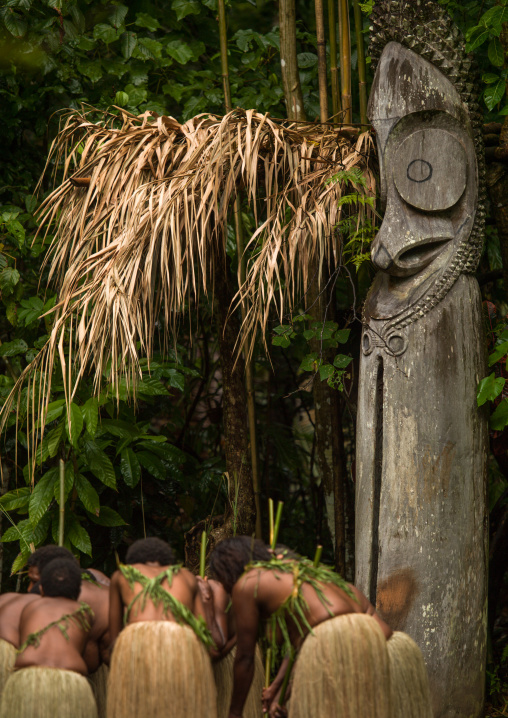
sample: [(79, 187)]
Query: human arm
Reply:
[(116, 608), (203, 606), (270, 693), (246, 612)]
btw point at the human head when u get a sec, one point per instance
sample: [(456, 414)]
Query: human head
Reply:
[(282, 551), (229, 558), (150, 550), (61, 578), (42, 556)]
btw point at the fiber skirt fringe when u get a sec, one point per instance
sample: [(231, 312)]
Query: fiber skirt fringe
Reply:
[(342, 670), (99, 682), (38, 692), (408, 678), (7, 661), (223, 674), (160, 668)]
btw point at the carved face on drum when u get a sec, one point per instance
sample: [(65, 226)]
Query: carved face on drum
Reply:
[(429, 183)]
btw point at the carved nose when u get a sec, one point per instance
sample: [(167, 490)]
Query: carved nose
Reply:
[(381, 257)]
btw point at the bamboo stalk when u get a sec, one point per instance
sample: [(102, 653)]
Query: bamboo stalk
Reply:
[(289, 62), (224, 55), (345, 61), (317, 556), (61, 522), (321, 52), (249, 373), (362, 66), (268, 662), (285, 682), (334, 70), (270, 519), (277, 524), (202, 555)]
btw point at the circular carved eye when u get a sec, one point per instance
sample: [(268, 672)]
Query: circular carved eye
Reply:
[(396, 344), (430, 170)]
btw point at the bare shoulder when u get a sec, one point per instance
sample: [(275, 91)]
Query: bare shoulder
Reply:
[(248, 584), (188, 577)]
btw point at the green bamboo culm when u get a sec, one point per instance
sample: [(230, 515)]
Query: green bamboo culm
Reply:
[(270, 519), (277, 525), (345, 61), (61, 515), (295, 606), (317, 556), (362, 66), (155, 592), (268, 667), (202, 555), (334, 69)]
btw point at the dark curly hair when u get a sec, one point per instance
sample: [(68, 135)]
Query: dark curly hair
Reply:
[(61, 578), (229, 558), (150, 549), (42, 556)]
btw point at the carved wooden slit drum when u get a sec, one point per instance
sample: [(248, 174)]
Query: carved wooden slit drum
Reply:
[(421, 450)]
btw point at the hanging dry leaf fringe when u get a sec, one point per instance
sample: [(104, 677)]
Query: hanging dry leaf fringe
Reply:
[(140, 223)]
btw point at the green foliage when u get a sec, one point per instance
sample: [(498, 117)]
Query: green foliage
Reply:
[(492, 387), (328, 335), (482, 23)]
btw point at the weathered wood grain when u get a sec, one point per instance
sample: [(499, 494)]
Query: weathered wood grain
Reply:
[(421, 551)]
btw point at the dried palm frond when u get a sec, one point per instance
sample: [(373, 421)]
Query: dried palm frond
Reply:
[(141, 223)]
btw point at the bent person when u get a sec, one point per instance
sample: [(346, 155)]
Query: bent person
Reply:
[(214, 593), (11, 607), (162, 651), (342, 665), (49, 678)]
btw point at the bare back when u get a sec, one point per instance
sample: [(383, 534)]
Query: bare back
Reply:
[(10, 614), (270, 589), (183, 588), (54, 649), (127, 602)]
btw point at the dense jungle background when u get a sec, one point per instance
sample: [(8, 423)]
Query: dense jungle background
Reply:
[(158, 466)]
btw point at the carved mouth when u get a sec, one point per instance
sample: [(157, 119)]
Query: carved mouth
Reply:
[(419, 256)]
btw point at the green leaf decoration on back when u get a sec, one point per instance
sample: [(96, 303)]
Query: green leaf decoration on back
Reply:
[(155, 592), (295, 607)]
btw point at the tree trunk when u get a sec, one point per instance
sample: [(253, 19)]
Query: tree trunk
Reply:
[(234, 403), (327, 427), (240, 512)]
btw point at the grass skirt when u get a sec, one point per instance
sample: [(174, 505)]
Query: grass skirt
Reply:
[(342, 670), (160, 668), (7, 661), (99, 682), (39, 692), (408, 678), (223, 674)]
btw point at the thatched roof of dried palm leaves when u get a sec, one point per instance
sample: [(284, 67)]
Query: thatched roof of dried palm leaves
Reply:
[(141, 215)]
